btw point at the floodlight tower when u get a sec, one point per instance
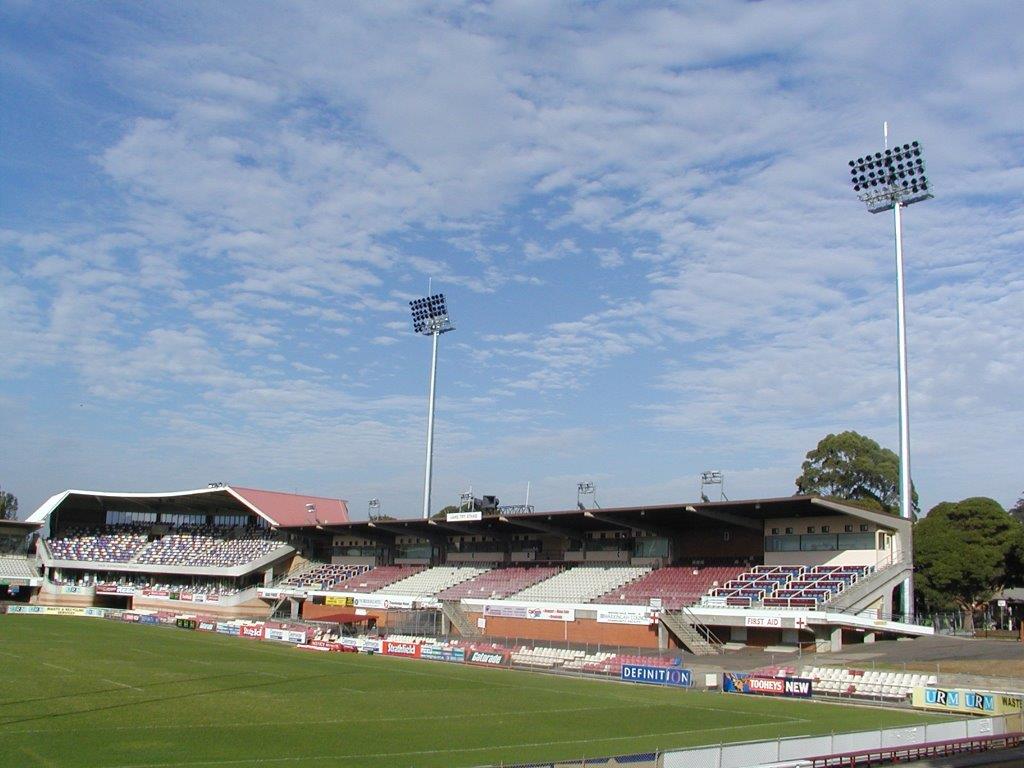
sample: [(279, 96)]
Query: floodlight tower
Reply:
[(890, 180), (430, 318)]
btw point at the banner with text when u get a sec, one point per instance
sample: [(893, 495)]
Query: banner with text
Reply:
[(740, 682), (625, 616), (642, 673)]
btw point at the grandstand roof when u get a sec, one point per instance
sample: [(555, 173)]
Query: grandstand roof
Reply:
[(670, 517), (17, 527), (284, 510)]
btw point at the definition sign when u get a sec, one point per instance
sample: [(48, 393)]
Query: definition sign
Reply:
[(641, 673)]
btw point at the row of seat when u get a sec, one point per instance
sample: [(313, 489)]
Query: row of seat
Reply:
[(866, 683)]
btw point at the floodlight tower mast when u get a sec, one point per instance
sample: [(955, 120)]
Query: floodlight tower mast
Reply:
[(891, 180), (430, 318)]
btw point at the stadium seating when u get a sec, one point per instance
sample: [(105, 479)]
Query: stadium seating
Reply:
[(102, 545), (786, 586), (323, 576), (198, 549), (676, 587), (17, 568), (581, 584), (376, 578), (498, 583), (874, 684), (432, 580)]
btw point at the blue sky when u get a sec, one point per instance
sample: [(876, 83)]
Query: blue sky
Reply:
[(212, 217)]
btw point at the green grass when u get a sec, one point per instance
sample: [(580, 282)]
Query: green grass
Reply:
[(89, 693)]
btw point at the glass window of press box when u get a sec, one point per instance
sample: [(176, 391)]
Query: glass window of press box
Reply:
[(819, 542)]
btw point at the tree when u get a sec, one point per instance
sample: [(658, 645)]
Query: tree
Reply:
[(444, 512), (8, 505), (961, 554), (1017, 510), (852, 467)]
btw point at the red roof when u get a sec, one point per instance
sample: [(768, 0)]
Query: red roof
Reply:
[(289, 509)]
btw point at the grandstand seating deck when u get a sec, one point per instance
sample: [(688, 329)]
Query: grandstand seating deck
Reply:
[(580, 584), (786, 586), (875, 684), (14, 567), (376, 578), (675, 586), (202, 550), (498, 583), (103, 545), (324, 576), (432, 580), (195, 546)]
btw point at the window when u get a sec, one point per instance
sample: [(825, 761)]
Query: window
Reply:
[(726, 535), (782, 544), (810, 529), (789, 530), (818, 542), (775, 531), (825, 529), (863, 527), (848, 528), (856, 541)]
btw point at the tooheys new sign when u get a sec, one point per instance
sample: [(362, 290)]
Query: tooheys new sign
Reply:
[(411, 650), (738, 682)]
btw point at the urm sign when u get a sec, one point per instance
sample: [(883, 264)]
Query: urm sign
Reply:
[(641, 673)]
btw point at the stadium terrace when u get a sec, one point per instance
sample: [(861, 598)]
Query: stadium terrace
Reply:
[(798, 571)]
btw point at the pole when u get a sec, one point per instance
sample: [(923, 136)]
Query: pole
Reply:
[(906, 501), (430, 427)]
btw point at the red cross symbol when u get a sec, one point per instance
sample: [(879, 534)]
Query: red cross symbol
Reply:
[(800, 622)]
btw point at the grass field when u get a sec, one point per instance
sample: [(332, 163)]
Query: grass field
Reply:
[(89, 693)]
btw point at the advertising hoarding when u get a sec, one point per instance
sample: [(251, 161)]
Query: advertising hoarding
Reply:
[(643, 673)]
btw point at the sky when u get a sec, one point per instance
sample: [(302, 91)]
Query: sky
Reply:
[(213, 217)]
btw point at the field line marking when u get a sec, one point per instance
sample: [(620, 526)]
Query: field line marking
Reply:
[(446, 750), (121, 685), (56, 666)]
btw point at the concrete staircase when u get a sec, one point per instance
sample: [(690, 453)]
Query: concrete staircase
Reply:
[(859, 595), (684, 625), (452, 611)]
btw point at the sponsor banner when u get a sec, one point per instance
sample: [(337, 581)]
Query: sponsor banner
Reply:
[(363, 644), (227, 629), (769, 622), (185, 623), (208, 598), (70, 589), (966, 701), (198, 598), (739, 682), (186, 596), (463, 517), (488, 658), (443, 653), (252, 631), (411, 650), (156, 593), (374, 601), (551, 614), (284, 635), (129, 616), (642, 673), (270, 594), (345, 602), (505, 611), (624, 616), (207, 626), (57, 610), (148, 619), (106, 589)]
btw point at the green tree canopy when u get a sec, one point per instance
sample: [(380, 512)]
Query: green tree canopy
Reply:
[(853, 467), (8, 505), (961, 554)]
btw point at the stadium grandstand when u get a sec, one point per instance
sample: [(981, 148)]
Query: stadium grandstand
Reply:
[(787, 573), (212, 546), (19, 574)]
